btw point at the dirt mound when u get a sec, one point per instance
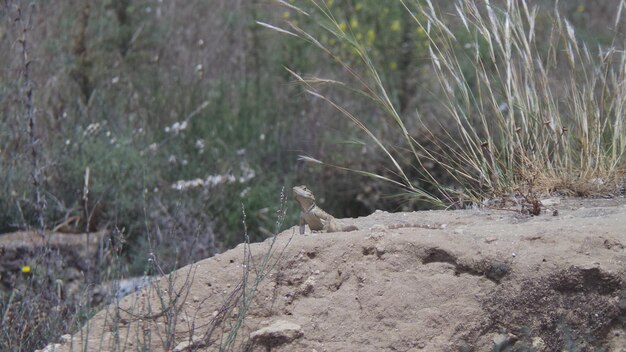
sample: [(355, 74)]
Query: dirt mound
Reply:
[(475, 280)]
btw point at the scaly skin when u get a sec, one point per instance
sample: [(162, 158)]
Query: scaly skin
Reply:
[(312, 215)]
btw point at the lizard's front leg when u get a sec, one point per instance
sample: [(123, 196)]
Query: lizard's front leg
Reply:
[(302, 223)]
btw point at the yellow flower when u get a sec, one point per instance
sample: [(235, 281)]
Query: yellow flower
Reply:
[(26, 269), (354, 23), (286, 14), (343, 26), (371, 36), (393, 65), (395, 26)]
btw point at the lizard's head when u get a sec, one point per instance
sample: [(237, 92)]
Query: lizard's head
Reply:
[(303, 194)]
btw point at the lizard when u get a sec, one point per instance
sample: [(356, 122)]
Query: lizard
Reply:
[(314, 216)]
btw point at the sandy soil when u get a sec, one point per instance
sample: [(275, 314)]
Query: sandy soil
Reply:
[(472, 280)]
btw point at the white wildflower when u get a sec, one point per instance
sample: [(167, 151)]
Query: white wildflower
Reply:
[(92, 129), (208, 183), (176, 127), (247, 173), (200, 145)]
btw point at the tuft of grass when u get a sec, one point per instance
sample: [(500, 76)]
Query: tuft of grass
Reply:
[(524, 110), (543, 112)]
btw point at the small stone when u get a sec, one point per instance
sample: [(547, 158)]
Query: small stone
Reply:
[(538, 344), (277, 333), (51, 348), (182, 346), (550, 201), (307, 287), (501, 341)]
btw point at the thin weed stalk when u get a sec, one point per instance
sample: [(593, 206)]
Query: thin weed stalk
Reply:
[(29, 110), (155, 316)]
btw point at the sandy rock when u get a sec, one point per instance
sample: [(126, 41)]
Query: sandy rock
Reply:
[(278, 333), (416, 287)]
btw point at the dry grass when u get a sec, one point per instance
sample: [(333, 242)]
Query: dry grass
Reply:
[(536, 112), (159, 316)]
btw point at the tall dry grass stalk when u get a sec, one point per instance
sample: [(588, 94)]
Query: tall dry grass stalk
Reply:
[(24, 18), (536, 110)]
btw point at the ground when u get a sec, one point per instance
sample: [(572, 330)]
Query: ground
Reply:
[(467, 280)]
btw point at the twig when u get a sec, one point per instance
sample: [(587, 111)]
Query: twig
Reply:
[(27, 87)]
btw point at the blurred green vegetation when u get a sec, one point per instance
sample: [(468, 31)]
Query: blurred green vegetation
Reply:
[(187, 105), (186, 111), (146, 95)]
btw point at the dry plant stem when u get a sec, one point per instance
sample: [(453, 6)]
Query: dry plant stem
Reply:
[(88, 237), (27, 86), (242, 295)]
